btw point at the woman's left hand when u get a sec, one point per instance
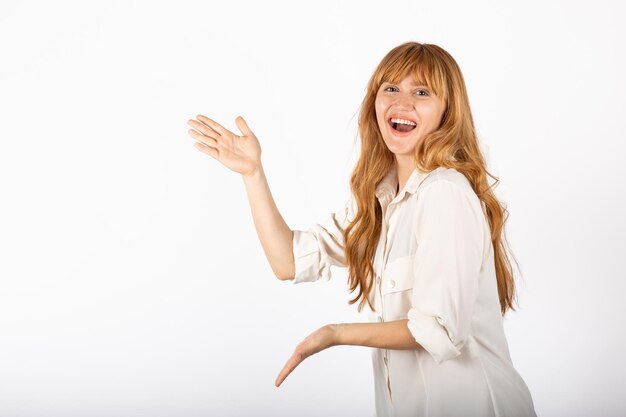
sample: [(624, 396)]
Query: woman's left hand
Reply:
[(322, 338)]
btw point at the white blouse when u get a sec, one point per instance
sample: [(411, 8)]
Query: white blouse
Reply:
[(434, 266)]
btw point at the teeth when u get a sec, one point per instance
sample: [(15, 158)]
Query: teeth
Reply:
[(404, 122)]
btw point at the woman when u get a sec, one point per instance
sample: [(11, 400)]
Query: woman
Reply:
[(421, 236)]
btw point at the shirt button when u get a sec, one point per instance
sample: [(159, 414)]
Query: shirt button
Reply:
[(377, 279), (392, 284)]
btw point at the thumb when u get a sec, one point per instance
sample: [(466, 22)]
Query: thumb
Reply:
[(243, 126)]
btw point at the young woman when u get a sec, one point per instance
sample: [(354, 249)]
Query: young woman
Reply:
[(422, 238)]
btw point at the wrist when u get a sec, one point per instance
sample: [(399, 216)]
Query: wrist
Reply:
[(336, 330), (255, 174)]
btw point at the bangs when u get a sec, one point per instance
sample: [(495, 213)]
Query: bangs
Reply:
[(422, 67)]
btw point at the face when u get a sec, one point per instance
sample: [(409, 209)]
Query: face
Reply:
[(406, 112)]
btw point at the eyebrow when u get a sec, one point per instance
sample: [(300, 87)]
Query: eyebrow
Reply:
[(413, 84)]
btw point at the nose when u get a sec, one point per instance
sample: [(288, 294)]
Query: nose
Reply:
[(403, 100)]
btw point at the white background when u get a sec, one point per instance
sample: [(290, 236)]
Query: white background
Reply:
[(132, 282)]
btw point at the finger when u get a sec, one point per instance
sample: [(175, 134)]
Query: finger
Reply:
[(204, 129), (291, 364), (207, 150), (284, 373), (214, 125), (206, 140), (243, 126)]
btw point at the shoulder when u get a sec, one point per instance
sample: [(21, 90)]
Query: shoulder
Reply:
[(443, 177), (448, 186), (447, 204)]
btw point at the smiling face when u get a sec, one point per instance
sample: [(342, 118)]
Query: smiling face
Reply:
[(406, 112)]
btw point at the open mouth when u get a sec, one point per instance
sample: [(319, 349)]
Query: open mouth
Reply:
[(401, 125)]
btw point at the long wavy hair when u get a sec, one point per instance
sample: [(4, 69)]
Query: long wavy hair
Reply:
[(453, 144)]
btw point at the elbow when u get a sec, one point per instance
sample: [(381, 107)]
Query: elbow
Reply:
[(285, 270), (429, 332), (283, 277), (284, 274)]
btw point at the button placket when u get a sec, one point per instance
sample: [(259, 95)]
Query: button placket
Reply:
[(390, 284), (387, 225), (380, 279)]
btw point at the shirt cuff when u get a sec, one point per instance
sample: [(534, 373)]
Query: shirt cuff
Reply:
[(431, 334), (306, 254)]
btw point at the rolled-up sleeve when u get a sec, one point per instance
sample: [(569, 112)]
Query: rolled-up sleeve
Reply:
[(449, 234), (321, 246)]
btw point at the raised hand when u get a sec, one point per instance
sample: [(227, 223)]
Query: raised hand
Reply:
[(322, 338), (241, 154)]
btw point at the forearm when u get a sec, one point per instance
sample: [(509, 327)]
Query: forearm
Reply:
[(274, 234), (386, 335)]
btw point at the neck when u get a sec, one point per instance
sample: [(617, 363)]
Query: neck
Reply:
[(405, 164)]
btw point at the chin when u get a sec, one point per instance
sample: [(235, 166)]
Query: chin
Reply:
[(400, 150)]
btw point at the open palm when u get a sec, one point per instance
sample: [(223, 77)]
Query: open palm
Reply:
[(241, 154)]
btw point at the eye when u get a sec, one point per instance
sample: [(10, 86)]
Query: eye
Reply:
[(420, 92)]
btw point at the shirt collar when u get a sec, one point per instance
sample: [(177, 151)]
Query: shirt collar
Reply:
[(386, 188)]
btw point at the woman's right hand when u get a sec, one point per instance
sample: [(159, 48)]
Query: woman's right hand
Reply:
[(241, 154)]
